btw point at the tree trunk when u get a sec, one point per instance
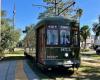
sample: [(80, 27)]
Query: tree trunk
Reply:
[(85, 44)]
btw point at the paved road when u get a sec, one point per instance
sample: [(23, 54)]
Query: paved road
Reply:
[(20, 70), (16, 70), (7, 70)]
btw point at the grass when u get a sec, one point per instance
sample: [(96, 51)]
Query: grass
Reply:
[(96, 56), (91, 55), (89, 72), (13, 55), (85, 50)]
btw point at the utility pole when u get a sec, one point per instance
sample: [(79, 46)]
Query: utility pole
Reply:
[(0, 22), (14, 13)]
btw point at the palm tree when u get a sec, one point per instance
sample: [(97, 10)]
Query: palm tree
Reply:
[(4, 20), (85, 33), (3, 13), (94, 29), (79, 13)]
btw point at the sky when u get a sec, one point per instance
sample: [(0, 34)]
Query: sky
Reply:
[(27, 14)]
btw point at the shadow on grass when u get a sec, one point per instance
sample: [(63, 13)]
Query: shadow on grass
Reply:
[(92, 61), (90, 73), (89, 55)]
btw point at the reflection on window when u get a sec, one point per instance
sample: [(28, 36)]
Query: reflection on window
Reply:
[(52, 37), (64, 37)]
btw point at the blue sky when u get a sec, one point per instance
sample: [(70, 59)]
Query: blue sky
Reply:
[(27, 14)]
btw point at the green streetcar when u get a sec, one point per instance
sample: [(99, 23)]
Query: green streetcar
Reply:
[(57, 43)]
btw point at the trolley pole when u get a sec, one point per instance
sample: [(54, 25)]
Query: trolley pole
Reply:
[(66, 8), (55, 7)]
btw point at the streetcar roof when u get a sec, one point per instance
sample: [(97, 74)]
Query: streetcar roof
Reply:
[(53, 20)]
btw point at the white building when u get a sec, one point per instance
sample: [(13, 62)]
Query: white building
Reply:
[(89, 42)]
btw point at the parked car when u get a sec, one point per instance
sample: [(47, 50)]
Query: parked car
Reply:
[(98, 50)]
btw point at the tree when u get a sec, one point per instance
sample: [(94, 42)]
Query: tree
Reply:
[(96, 28), (61, 8), (9, 35), (3, 13), (79, 13), (85, 33), (30, 35), (20, 44)]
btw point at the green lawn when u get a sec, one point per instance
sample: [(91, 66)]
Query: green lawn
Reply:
[(13, 54), (88, 71), (91, 55), (16, 53)]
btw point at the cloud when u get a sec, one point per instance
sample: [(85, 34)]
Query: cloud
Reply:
[(94, 21)]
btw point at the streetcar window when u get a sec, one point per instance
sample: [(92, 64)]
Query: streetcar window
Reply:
[(75, 38), (64, 37), (52, 37)]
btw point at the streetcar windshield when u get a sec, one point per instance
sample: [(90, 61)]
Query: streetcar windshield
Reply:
[(58, 35), (52, 37), (64, 37)]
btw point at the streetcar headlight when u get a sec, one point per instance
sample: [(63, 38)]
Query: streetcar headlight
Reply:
[(66, 54)]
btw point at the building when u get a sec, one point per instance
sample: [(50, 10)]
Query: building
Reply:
[(89, 42)]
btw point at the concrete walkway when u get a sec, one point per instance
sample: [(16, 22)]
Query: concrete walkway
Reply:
[(30, 74), (20, 74), (16, 70)]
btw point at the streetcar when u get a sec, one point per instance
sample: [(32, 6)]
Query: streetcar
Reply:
[(97, 43), (57, 43)]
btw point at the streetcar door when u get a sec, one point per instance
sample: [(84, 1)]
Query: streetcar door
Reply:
[(41, 46)]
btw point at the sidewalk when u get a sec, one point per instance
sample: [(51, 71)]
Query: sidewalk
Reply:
[(30, 74), (20, 74)]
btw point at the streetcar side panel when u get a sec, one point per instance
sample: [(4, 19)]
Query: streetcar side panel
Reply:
[(40, 45)]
